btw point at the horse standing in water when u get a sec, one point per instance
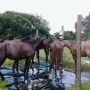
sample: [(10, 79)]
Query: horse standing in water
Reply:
[(72, 45), (27, 38), (56, 54), (4, 38), (19, 51)]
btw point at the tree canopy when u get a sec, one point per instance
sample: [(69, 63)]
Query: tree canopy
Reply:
[(21, 24), (85, 27)]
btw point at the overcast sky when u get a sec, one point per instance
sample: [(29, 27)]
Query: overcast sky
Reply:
[(56, 12)]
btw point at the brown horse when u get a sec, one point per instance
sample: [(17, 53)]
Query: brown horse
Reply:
[(3, 39), (72, 45), (18, 51), (44, 45), (27, 38), (55, 54)]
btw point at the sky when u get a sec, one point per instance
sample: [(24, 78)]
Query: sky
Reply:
[(57, 12)]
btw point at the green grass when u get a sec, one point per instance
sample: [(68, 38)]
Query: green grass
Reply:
[(8, 62), (84, 86), (2, 84)]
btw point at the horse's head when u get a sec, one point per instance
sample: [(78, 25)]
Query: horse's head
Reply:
[(67, 43), (53, 38), (46, 42)]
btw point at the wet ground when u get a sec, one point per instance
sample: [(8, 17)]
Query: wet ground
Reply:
[(39, 80)]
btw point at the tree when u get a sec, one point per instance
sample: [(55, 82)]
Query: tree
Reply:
[(21, 24), (69, 35), (85, 32)]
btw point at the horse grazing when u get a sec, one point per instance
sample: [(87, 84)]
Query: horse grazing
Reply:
[(19, 51), (56, 54), (72, 45)]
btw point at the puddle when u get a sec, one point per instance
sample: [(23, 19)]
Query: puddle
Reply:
[(39, 80)]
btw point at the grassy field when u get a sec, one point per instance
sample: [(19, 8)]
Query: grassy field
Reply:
[(84, 86), (67, 57)]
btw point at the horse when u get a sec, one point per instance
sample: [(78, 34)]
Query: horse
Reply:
[(56, 54), (19, 51), (3, 39), (44, 45), (72, 45), (27, 38)]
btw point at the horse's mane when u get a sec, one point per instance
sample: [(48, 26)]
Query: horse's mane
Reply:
[(34, 40), (25, 38)]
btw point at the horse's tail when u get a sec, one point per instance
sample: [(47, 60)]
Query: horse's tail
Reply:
[(58, 53), (2, 53)]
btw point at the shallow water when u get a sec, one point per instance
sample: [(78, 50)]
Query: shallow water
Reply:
[(39, 80)]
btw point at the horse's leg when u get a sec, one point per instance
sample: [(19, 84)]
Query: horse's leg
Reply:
[(14, 66), (38, 55), (26, 69), (2, 61), (2, 76), (75, 62), (50, 68), (31, 64), (46, 53), (17, 65)]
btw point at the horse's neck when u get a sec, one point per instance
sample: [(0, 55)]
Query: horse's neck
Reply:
[(34, 46), (68, 45)]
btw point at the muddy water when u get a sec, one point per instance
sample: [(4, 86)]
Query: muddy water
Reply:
[(39, 80)]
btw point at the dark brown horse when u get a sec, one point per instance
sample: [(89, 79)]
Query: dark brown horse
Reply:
[(55, 54), (19, 51), (3, 39), (27, 38), (72, 45), (44, 45)]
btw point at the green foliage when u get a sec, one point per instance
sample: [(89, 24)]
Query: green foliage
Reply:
[(89, 37), (8, 62), (21, 24), (2, 84), (85, 32), (69, 35)]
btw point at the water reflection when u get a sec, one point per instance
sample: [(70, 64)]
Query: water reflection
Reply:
[(39, 80)]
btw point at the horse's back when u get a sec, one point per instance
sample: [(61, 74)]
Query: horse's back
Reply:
[(18, 50)]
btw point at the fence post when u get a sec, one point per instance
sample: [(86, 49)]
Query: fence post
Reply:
[(78, 78), (36, 32)]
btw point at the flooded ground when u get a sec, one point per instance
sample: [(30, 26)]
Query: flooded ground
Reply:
[(39, 80)]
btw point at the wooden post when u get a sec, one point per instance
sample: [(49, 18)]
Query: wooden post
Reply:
[(61, 39), (78, 78), (36, 32)]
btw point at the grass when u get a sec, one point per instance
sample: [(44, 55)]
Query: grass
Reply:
[(84, 86), (2, 84)]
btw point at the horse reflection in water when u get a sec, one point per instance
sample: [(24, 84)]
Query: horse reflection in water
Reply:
[(18, 51), (56, 53)]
